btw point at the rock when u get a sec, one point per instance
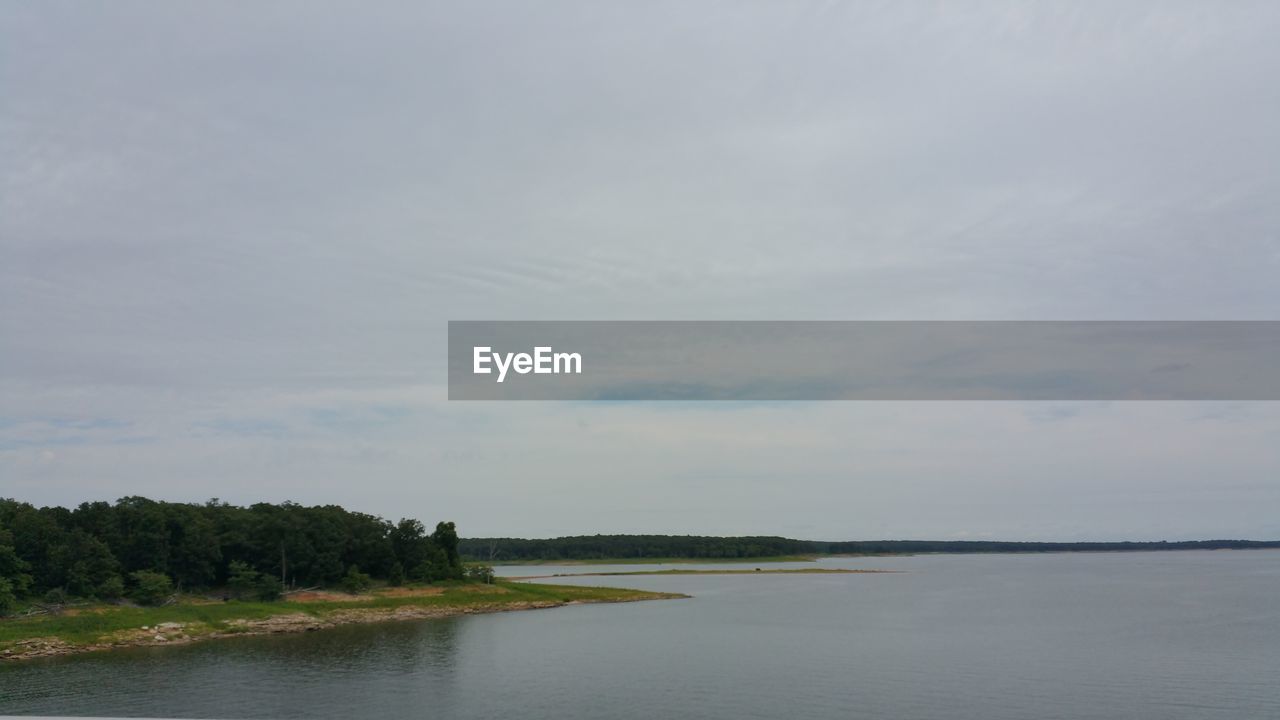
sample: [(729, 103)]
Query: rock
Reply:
[(169, 626), (160, 638), (146, 627)]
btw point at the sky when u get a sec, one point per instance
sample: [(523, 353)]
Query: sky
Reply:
[(231, 239)]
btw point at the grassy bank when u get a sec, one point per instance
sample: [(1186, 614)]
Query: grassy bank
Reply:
[(95, 627)]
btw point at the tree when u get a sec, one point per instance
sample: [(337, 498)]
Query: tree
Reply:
[(8, 600), (356, 582), (150, 588), (82, 564), (144, 535), (395, 577), (111, 588), (245, 582), (242, 580), (194, 553), (434, 565), (268, 589), (409, 543), (446, 538), (34, 533), (13, 569), (97, 549), (368, 543)]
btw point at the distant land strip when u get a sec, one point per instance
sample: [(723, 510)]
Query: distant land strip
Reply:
[(678, 548), (744, 571)]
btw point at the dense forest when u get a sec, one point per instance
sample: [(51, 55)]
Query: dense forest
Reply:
[(148, 550), (601, 547)]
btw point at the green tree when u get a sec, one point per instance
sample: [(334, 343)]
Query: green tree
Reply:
[(35, 533), (409, 543), (13, 569), (395, 577), (111, 588), (268, 588), (194, 553), (150, 588), (99, 519), (242, 580), (245, 582), (96, 549), (433, 566), (81, 564), (144, 535), (446, 538), (356, 582), (8, 599), (368, 543)]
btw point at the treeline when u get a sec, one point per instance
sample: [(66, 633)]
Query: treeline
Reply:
[(604, 547), (142, 548), (607, 547), (889, 547)]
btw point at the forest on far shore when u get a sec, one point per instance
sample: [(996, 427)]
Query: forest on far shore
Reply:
[(147, 550), (697, 547)]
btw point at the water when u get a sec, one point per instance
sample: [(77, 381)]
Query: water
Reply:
[(1134, 635)]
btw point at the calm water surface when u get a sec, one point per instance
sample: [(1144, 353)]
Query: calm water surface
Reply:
[(1134, 635)]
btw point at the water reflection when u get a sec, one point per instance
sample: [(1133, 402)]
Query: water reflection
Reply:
[(348, 670)]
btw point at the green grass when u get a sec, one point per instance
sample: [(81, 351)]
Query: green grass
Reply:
[(95, 623), (91, 623)]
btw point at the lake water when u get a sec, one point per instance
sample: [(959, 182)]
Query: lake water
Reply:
[(1132, 635)]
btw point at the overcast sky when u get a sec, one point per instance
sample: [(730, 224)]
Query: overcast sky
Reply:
[(231, 236)]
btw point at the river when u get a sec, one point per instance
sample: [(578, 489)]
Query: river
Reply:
[(1136, 635)]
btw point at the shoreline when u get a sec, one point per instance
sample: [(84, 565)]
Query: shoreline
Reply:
[(294, 617)]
